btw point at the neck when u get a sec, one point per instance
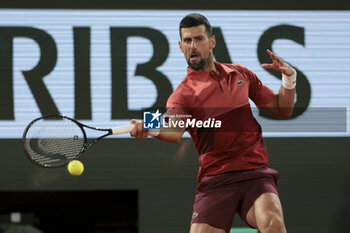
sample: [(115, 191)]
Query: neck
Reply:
[(211, 67)]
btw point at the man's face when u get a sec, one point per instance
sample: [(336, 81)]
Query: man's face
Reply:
[(197, 47)]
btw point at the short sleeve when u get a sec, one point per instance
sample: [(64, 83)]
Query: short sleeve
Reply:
[(258, 92), (176, 106)]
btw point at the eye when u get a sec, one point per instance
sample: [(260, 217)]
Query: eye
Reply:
[(187, 40)]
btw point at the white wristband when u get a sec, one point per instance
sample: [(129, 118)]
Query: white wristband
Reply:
[(289, 82)]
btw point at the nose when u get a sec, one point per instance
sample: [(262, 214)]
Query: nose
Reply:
[(193, 45)]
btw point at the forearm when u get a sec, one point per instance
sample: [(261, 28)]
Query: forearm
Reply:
[(170, 135), (286, 95), (282, 105), (285, 102), (166, 134)]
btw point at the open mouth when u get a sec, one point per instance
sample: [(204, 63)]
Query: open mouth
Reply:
[(194, 57)]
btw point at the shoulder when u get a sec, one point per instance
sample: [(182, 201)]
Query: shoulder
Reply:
[(178, 95), (242, 71), (240, 68), (246, 72)]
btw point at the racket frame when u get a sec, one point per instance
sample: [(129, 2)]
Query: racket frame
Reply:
[(85, 146)]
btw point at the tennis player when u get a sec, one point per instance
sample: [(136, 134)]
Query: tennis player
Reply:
[(233, 176)]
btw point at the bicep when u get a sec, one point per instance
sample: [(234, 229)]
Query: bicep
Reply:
[(260, 94)]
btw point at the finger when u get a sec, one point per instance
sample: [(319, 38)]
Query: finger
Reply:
[(277, 60), (271, 54), (133, 131), (145, 134), (268, 66), (274, 57), (142, 132), (138, 129)]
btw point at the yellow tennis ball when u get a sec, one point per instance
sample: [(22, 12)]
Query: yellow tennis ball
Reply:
[(75, 168)]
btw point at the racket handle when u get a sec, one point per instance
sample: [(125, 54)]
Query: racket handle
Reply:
[(127, 129), (122, 129)]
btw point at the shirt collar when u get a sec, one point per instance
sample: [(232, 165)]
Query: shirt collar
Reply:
[(223, 68)]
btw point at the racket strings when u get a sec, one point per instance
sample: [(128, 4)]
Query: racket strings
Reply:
[(54, 142)]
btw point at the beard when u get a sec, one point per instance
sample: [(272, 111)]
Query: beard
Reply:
[(203, 62)]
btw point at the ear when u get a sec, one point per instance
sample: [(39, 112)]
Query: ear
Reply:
[(212, 42), (180, 45)]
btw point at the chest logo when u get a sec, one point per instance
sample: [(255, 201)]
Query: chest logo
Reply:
[(240, 82)]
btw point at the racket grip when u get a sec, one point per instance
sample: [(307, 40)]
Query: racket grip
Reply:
[(127, 129), (122, 129)]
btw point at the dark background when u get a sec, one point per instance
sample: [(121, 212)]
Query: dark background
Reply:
[(314, 184), (182, 4), (148, 186)]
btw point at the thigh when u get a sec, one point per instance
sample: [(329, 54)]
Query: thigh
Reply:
[(205, 228), (263, 181), (216, 202), (266, 207)]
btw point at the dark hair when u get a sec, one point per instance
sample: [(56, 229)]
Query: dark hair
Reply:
[(194, 19)]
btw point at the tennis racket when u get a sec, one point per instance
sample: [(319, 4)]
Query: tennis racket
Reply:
[(55, 140)]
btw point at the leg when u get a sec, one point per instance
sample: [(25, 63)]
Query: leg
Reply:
[(266, 214), (205, 228), (215, 204)]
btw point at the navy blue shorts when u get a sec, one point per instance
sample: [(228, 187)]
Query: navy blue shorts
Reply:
[(219, 197)]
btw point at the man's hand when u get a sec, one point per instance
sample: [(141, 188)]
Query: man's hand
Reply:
[(279, 65), (282, 105), (138, 131), (289, 75), (167, 134)]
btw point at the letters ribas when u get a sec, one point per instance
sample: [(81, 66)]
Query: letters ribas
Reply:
[(118, 50)]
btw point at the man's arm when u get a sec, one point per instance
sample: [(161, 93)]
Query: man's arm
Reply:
[(172, 135), (282, 105)]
